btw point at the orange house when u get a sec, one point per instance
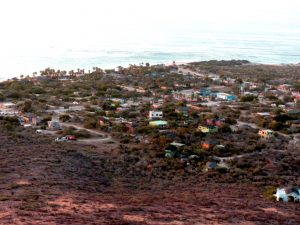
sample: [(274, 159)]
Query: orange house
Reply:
[(209, 144)]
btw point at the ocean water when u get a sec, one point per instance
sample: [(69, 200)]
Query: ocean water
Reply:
[(259, 47)]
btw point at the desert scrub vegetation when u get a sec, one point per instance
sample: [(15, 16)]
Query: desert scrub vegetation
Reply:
[(9, 123)]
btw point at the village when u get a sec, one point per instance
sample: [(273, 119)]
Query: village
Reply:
[(205, 121)]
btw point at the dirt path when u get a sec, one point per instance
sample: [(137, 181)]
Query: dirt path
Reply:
[(104, 137)]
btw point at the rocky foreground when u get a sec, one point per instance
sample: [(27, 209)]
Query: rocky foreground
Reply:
[(43, 182)]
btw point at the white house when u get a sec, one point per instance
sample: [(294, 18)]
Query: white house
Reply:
[(290, 194), (54, 125), (7, 105), (225, 96), (155, 115)]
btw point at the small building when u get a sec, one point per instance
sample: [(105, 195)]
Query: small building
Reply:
[(209, 144), (30, 118), (266, 133), (205, 92), (183, 110), (54, 125), (215, 122), (158, 124), (289, 194), (131, 127), (263, 114), (173, 150), (208, 129), (7, 105), (212, 165), (155, 115), (284, 87), (103, 121), (294, 112), (225, 96)]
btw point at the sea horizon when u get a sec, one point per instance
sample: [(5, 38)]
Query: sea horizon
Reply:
[(263, 48)]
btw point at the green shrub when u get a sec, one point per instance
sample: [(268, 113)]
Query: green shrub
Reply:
[(269, 193)]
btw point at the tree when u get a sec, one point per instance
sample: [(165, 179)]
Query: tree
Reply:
[(248, 98)]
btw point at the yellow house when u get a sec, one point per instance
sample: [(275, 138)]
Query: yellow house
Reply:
[(266, 133), (205, 129)]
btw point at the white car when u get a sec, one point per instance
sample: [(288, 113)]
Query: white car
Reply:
[(38, 131), (61, 139)]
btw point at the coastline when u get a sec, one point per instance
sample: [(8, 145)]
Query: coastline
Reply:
[(4, 78)]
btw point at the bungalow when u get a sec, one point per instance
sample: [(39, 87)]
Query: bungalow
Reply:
[(173, 69), (266, 133), (155, 115), (170, 134), (219, 122), (103, 121), (30, 118), (156, 105), (196, 107), (263, 114), (158, 124), (183, 110), (131, 127), (284, 87), (294, 112), (209, 144), (173, 150), (205, 92), (208, 129), (215, 122), (212, 165), (54, 125), (7, 105), (290, 194), (225, 96)]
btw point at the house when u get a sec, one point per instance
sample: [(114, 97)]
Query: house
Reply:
[(289, 194), (173, 150), (225, 96), (284, 87), (212, 165), (263, 114), (158, 124), (183, 110), (196, 107), (30, 118), (208, 129), (209, 144), (156, 105), (215, 122), (219, 122), (155, 115), (131, 127), (173, 69), (205, 92), (170, 134), (7, 105), (265, 133), (294, 112), (54, 125), (103, 121)]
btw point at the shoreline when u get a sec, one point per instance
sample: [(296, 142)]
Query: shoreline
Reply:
[(4, 78)]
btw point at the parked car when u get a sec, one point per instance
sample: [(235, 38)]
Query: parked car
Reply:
[(27, 125), (71, 138), (61, 139), (39, 131)]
